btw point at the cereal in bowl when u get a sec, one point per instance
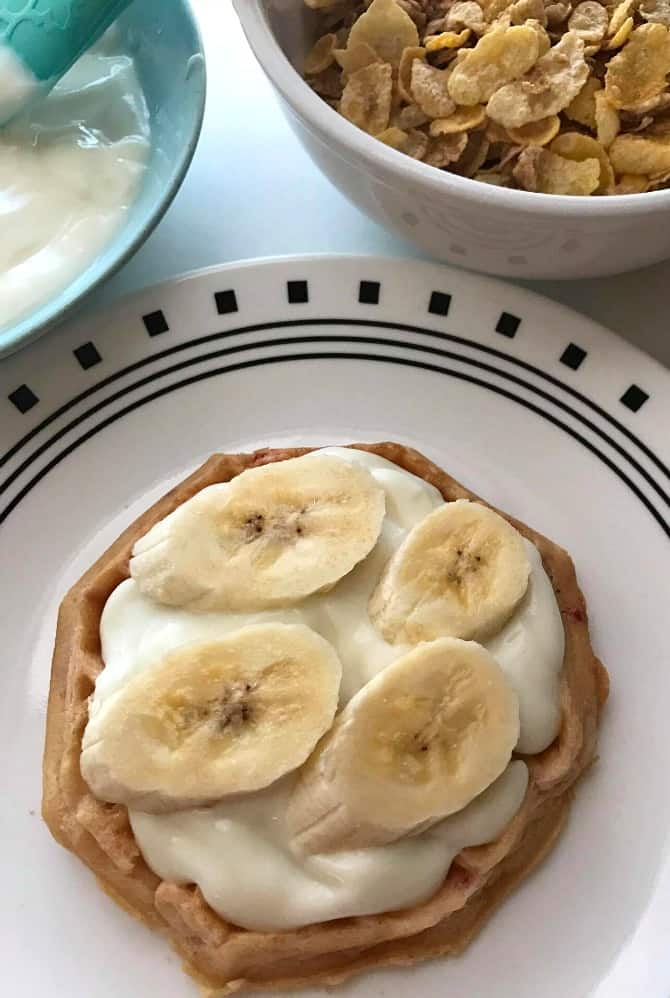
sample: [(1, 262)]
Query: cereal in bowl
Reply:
[(549, 97)]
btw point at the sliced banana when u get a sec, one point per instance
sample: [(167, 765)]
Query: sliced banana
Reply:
[(417, 743), (213, 718), (270, 537), (459, 573)]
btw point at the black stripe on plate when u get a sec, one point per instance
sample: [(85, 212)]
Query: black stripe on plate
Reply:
[(285, 358), (356, 323), (368, 340)]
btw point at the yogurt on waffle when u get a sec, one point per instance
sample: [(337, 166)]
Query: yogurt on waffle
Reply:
[(239, 851)]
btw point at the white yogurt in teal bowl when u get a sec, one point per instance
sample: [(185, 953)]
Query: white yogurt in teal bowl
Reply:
[(87, 174)]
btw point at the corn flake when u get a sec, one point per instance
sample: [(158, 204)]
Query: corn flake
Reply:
[(608, 123), (528, 10), (405, 70), (654, 105), (580, 148), (622, 35), (621, 14), (589, 20), (321, 56), (583, 108), (639, 71), (550, 86), (386, 28), (542, 37), (494, 8), (366, 99), (328, 84), (509, 156), (537, 133), (640, 155), (629, 183), (357, 57), (461, 120), (466, 14), (446, 149), (655, 11), (394, 137), (495, 132), (544, 172), (430, 89), (557, 14), (493, 178), (447, 40), (500, 56), (416, 144), (474, 155), (410, 117)]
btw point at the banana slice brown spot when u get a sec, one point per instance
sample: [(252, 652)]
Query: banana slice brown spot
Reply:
[(270, 537), (417, 743), (213, 718), (232, 708), (461, 572)]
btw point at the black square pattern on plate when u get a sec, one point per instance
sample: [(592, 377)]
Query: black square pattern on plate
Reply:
[(368, 292), (439, 303), (508, 325), (298, 292), (634, 398), (87, 355), (226, 302), (155, 323), (573, 356), (23, 398)]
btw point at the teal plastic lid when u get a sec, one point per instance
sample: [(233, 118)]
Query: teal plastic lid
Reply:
[(50, 35)]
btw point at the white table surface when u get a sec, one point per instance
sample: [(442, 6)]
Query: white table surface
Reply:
[(253, 192)]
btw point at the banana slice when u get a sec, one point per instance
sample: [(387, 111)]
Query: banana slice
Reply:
[(213, 718), (419, 742), (459, 573), (270, 537)]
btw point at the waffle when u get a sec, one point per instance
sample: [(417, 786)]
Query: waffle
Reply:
[(223, 957)]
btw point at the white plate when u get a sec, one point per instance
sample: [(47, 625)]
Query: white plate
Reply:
[(495, 392)]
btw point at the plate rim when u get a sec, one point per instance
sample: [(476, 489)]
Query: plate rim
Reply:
[(116, 313)]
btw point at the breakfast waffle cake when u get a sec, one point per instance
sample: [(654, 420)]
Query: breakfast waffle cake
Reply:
[(222, 956)]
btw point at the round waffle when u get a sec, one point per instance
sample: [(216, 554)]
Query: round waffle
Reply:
[(223, 957)]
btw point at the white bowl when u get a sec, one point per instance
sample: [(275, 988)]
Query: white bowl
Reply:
[(489, 229)]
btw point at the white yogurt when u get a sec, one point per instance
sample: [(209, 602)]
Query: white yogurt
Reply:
[(238, 852), (529, 649), (69, 170)]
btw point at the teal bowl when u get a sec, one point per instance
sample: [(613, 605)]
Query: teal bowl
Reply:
[(166, 45)]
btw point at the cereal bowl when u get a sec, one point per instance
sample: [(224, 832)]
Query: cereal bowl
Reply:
[(494, 230)]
